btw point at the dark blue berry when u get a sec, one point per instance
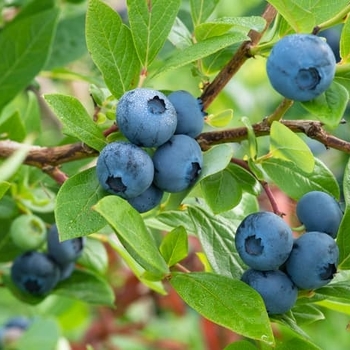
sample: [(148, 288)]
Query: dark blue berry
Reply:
[(319, 211), (264, 241), (313, 260), (146, 117), (301, 66), (124, 169), (276, 289), (35, 273)]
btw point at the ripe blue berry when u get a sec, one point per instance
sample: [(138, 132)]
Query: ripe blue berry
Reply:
[(35, 273), (319, 211), (264, 241), (124, 169), (313, 260), (146, 117), (147, 200), (276, 289), (190, 117), (63, 252), (301, 66), (177, 164), (18, 322)]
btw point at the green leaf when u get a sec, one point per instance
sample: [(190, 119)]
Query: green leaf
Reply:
[(69, 42), (86, 286), (136, 268), (246, 180), (199, 50), (303, 15), (73, 211), (343, 241), (9, 166), (13, 127), (179, 35), (110, 44), (133, 233), (344, 42), (241, 345), (346, 183), (217, 237), (43, 333), (336, 290), (150, 23), (201, 10), (220, 119), (76, 120), (20, 63), (297, 343), (295, 182), (215, 159), (225, 301), (221, 191), (174, 246), (221, 26), (307, 314), (4, 186), (286, 145), (330, 106), (300, 18), (94, 256)]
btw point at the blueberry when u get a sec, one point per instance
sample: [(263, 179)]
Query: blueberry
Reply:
[(313, 260), (264, 241), (35, 273), (276, 289), (124, 169), (18, 322), (147, 200), (177, 163), (146, 117), (66, 251), (190, 117), (301, 66), (28, 232), (319, 211)]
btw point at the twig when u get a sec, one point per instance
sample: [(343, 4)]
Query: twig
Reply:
[(241, 55), (311, 128)]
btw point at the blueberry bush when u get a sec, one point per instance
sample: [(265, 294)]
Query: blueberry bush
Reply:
[(138, 137)]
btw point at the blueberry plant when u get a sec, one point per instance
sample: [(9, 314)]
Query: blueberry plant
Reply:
[(194, 152)]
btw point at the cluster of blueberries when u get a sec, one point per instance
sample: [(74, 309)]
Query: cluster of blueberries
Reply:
[(280, 265), (37, 271), (160, 154), (12, 330), (301, 66)]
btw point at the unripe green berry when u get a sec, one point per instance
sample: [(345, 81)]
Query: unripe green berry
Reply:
[(28, 232)]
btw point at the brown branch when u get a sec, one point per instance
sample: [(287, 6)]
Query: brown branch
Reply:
[(241, 55), (46, 158), (311, 128)]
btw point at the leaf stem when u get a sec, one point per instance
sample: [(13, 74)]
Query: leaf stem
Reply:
[(337, 19), (280, 111)]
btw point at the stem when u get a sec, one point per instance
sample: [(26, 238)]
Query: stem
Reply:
[(280, 111), (339, 18), (271, 198), (241, 55)]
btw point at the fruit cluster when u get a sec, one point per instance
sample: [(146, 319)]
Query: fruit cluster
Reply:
[(301, 66), (12, 330), (45, 260), (279, 265), (160, 154)]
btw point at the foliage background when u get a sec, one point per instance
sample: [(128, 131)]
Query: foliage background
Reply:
[(142, 319)]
